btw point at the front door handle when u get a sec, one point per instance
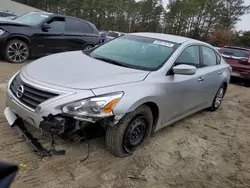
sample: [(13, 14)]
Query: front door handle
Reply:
[(200, 79), (220, 72)]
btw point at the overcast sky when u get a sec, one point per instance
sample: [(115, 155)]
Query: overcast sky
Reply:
[(244, 24)]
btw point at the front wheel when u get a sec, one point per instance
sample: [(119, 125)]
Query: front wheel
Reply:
[(218, 98), (17, 51), (130, 133)]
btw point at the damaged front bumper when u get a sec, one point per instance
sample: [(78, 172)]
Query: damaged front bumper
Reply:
[(59, 124), (14, 121)]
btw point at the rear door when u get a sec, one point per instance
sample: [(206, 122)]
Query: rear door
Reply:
[(213, 73), (79, 34)]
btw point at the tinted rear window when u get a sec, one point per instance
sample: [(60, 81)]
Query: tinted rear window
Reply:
[(235, 52), (112, 34), (74, 25)]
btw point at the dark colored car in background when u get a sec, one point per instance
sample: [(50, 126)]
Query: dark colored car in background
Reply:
[(239, 60), (36, 34)]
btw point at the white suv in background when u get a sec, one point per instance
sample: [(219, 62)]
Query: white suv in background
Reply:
[(113, 34)]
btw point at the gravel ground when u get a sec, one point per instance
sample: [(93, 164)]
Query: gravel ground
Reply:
[(205, 150)]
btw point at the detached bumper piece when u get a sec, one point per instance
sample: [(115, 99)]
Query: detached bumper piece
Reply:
[(35, 144)]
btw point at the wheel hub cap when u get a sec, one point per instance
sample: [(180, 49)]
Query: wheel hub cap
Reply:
[(219, 97), (135, 134)]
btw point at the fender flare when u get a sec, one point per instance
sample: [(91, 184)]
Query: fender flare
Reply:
[(19, 36)]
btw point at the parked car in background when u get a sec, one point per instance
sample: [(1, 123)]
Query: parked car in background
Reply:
[(217, 48), (239, 60), (133, 86), (11, 17), (41, 33), (5, 14), (110, 35)]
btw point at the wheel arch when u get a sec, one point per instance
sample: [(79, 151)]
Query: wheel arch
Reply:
[(19, 37), (89, 43), (155, 109)]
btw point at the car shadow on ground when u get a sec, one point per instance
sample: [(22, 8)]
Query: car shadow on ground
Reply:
[(237, 81)]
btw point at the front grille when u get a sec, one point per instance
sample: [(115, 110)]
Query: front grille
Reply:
[(27, 94)]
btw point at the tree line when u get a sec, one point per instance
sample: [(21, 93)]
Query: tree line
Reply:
[(200, 19)]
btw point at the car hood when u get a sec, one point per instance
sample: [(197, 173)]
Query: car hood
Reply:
[(79, 71), (4, 21)]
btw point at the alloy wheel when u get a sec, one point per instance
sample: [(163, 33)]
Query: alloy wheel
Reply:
[(17, 52), (87, 48), (219, 97)]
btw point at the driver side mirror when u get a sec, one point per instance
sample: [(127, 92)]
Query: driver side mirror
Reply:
[(46, 27), (184, 69)]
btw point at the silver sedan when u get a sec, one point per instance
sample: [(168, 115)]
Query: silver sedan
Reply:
[(133, 85)]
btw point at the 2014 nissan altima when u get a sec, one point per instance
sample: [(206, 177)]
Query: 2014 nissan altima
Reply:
[(133, 85)]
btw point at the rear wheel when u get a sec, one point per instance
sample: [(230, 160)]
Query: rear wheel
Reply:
[(130, 133), (218, 98), (87, 47), (16, 51)]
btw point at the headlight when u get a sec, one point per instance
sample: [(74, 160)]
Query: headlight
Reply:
[(94, 107), (1, 32)]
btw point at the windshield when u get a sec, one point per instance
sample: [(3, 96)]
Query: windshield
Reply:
[(135, 52), (234, 52), (33, 18)]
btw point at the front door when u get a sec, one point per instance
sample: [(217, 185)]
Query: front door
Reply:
[(184, 92), (51, 40)]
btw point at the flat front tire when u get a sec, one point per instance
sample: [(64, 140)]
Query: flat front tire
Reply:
[(16, 51), (130, 133)]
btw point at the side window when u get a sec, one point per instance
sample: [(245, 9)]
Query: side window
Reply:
[(218, 58), (57, 24), (190, 56), (209, 56), (77, 26)]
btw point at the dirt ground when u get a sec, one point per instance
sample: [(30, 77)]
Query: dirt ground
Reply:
[(208, 150)]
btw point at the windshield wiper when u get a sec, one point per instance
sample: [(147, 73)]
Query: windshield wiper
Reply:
[(110, 61)]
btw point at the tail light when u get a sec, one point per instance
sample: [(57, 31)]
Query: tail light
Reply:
[(99, 37)]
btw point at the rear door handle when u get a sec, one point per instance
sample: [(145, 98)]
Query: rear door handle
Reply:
[(200, 79), (220, 72)]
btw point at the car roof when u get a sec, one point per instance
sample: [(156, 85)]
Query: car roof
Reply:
[(237, 48), (168, 37)]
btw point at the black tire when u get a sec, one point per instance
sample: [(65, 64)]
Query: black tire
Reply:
[(215, 105), (247, 83), (16, 51), (87, 47), (116, 136)]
